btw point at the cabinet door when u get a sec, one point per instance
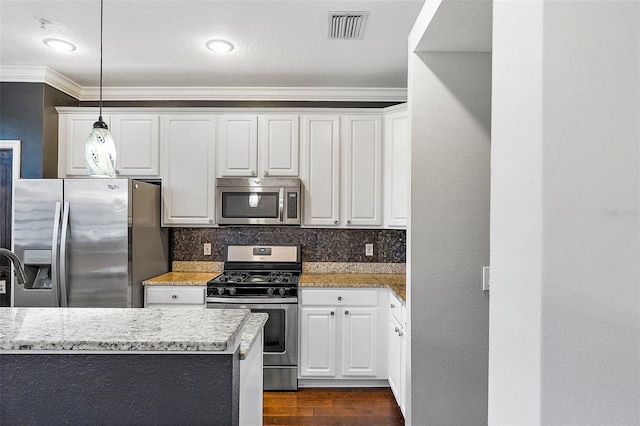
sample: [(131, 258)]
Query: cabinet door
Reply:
[(317, 342), (320, 170), (188, 175), (396, 169), (137, 139), (74, 133), (395, 359), (278, 143), (359, 341), (238, 145), (363, 171)]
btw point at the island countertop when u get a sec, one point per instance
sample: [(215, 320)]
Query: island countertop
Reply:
[(126, 329)]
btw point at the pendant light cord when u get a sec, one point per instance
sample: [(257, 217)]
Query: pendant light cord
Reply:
[(101, 21)]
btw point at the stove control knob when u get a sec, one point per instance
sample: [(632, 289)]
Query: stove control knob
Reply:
[(270, 291), (220, 290), (232, 291), (282, 291)]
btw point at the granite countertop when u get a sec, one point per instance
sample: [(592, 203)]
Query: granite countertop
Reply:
[(181, 278), (250, 331), (396, 282), (120, 329)]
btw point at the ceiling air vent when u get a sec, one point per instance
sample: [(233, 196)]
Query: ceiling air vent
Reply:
[(347, 25)]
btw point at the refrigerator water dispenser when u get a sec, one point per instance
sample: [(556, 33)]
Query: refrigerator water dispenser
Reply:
[(37, 266)]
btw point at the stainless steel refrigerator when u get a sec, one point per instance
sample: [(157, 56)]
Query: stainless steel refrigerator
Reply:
[(87, 242)]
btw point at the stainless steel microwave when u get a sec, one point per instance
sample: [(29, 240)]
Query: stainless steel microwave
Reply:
[(258, 201)]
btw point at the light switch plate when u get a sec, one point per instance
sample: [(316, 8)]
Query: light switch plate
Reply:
[(207, 249), (3, 287), (485, 278)]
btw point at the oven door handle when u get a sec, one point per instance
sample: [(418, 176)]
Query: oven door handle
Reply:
[(252, 300)]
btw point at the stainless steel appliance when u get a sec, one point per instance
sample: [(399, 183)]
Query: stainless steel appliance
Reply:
[(258, 201), (87, 242), (265, 279)]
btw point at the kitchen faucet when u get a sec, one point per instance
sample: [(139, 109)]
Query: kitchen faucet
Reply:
[(21, 276)]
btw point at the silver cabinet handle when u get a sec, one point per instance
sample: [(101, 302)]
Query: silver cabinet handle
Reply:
[(266, 173), (253, 173), (397, 329), (339, 297), (333, 313), (174, 296), (400, 333), (349, 222), (117, 172), (210, 221), (393, 306), (335, 222), (346, 312)]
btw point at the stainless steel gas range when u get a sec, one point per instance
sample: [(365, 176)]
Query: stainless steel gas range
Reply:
[(265, 279)]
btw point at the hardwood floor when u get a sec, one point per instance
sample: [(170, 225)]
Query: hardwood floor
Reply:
[(332, 406)]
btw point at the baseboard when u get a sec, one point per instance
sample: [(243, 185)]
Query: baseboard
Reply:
[(343, 383)]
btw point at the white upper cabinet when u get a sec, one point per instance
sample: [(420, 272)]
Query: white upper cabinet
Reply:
[(73, 132), (238, 145), (320, 170), (278, 145), (136, 138), (397, 166), (258, 145), (362, 170), (188, 170)]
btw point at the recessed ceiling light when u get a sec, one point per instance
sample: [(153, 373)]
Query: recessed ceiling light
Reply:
[(57, 44), (220, 46)]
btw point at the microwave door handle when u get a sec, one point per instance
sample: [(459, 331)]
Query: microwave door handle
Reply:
[(281, 205)]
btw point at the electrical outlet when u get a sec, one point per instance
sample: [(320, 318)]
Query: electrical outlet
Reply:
[(207, 249), (368, 249), (3, 287)]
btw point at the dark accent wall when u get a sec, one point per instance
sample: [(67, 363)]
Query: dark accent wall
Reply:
[(318, 244), (27, 113), (6, 185)]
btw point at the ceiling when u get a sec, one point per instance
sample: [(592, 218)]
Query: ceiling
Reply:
[(160, 45)]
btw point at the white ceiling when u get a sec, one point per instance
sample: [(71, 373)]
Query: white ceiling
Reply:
[(161, 43)]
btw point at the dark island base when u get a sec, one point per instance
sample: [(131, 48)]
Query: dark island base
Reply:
[(119, 389)]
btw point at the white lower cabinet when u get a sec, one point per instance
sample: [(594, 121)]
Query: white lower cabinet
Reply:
[(397, 350), (175, 296), (341, 334)]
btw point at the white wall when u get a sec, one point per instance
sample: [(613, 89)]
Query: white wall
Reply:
[(565, 232), (449, 237), (516, 209)]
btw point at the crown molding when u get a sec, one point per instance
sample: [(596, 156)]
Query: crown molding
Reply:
[(362, 94), (31, 74), (335, 94)]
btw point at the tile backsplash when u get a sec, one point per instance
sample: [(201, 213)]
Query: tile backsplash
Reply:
[(318, 244)]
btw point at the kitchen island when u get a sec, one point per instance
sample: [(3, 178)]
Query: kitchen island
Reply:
[(120, 366)]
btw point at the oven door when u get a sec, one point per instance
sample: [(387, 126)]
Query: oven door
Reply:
[(280, 331)]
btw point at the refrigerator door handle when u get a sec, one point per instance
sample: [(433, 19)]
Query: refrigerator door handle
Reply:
[(63, 255), (54, 251)]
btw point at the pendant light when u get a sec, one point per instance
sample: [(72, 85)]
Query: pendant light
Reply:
[(100, 149)]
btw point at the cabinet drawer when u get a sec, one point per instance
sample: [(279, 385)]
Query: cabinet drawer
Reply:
[(395, 307), (338, 297), (175, 295)]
